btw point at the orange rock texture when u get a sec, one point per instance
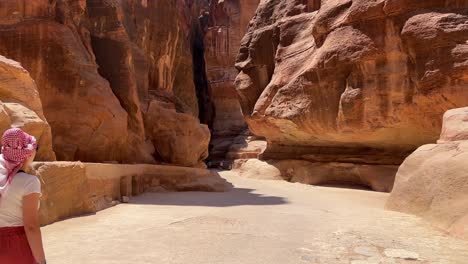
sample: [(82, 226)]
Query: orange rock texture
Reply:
[(225, 24), (20, 106), (352, 81), (113, 76)]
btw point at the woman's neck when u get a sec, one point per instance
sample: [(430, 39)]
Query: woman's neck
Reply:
[(24, 168)]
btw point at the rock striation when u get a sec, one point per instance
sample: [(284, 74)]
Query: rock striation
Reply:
[(368, 75), (363, 82), (109, 72)]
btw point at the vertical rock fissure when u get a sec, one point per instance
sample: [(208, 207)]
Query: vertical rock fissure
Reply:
[(202, 86), (224, 24), (105, 50)]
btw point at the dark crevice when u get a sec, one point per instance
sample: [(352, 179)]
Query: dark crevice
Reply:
[(203, 90), (109, 58)]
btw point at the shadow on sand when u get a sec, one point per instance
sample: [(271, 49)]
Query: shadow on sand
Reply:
[(234, 197)]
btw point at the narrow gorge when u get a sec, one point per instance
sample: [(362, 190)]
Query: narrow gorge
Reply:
[(136, 95)]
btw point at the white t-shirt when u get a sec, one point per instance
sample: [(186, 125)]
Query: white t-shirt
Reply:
[(11, 205)]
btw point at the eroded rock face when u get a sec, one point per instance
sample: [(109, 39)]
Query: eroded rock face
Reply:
[(368, 79), (226, 24), (20, 106), (98, 65), (433, 181), (83, 112), (144, 50), (374, 177)]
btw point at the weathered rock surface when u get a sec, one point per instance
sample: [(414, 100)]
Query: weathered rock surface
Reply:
[(433, 181), (178, 137), (82, 111), (98, 66), (352, 81), (455, 126), (20, 106), (226, 24)]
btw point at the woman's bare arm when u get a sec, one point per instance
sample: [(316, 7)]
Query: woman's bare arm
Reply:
[(32, 226)]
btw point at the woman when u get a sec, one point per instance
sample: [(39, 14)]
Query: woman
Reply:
[(20, 234)]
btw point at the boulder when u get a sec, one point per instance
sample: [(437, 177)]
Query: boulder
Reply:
[(179, 138), (455, 126), (433, 181), (20, 106)]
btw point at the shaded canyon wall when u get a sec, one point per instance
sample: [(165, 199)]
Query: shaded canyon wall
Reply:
[(226, 22)]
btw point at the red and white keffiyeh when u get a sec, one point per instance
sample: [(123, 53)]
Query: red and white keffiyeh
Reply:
[(17, 147)]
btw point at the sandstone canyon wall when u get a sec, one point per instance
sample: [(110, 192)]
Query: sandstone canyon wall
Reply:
[(362, 82), (116, 78), (225, 25), (346, 82)]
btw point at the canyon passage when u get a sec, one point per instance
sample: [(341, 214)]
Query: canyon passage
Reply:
[(243, 131)]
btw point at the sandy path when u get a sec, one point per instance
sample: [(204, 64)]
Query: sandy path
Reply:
[(257, 222)]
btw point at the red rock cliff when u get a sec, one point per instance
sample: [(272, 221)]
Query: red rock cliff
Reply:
[(226, 25), (115, 77), (352, 81)]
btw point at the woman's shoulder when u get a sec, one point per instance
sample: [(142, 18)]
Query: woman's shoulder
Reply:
[(27, 183), (27, 178)]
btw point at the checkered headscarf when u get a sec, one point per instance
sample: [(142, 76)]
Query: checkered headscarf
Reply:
[(17, 147)]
